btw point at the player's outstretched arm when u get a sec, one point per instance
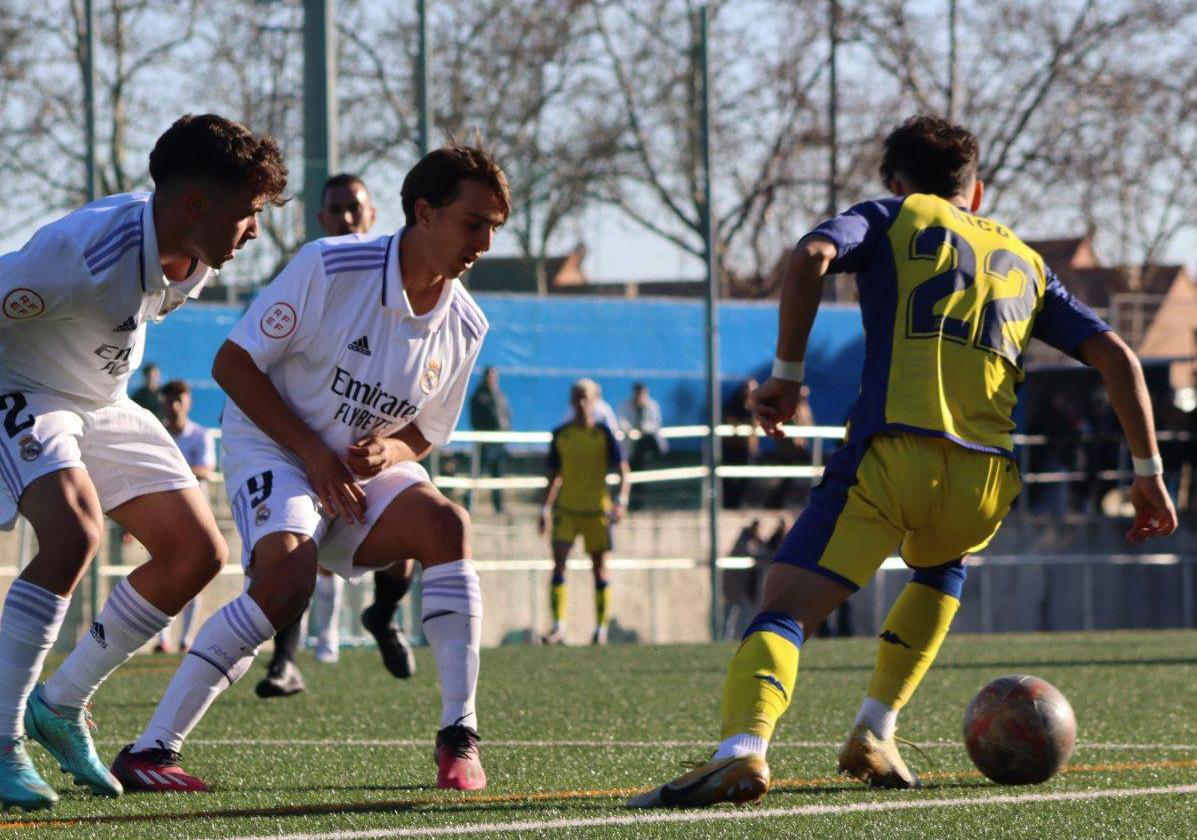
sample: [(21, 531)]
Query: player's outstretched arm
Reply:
[(1155, 515), (776, 401), (235, 371)]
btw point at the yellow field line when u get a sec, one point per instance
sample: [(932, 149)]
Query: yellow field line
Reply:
[(523, 798)]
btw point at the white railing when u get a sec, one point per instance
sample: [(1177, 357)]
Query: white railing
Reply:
[(816, 434)]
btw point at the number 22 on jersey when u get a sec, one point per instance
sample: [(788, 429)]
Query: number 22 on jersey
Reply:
[(984, 299)]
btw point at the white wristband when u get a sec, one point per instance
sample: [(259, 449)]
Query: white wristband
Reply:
[(789, 371), (1147, 467)]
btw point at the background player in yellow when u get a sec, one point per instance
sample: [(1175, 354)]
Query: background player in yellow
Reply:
[(583, 451), (950, 300)]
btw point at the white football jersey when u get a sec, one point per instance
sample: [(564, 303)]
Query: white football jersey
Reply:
[(77, 297), (336, 335), (196, 444)]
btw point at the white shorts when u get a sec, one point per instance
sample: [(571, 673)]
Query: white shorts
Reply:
[(125, 449), (278, 498)]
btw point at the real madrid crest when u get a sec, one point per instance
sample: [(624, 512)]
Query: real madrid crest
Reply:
[(431, 376), (261, 515), (31, 448)]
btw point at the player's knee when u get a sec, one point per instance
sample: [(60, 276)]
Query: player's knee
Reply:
[(293, 594), (77, 537), (202, 554), (283, 596), (946, 579), (218, 555), (451, 524)]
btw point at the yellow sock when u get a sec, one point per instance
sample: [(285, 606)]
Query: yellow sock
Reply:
[(557, 599), (913, 631), (602, 603), (760, 681)]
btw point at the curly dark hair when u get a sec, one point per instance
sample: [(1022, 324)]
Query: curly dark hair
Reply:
[(210, 146), (932, 155), (437, 176)]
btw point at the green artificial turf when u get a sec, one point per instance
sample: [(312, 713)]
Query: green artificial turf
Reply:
[(353, 753)]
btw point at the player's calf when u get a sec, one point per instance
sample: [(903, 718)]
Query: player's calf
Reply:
[(283, 576), (64, 511)]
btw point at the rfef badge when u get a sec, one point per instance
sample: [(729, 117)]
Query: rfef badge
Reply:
[(279, 321)]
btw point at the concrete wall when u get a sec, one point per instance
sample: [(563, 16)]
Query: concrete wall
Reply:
[(1041, 573)]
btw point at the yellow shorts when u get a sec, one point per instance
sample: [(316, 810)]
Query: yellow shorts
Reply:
[(595, 529), (934, 499)]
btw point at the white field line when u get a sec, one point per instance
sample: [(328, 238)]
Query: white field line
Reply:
[(418, 742), (712, 815)]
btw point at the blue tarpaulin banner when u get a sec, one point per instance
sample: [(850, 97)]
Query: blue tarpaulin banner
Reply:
[(540, 345)]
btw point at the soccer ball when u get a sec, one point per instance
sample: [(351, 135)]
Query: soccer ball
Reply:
[(1019, 730)]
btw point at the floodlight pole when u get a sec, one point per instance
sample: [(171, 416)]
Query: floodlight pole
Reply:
[(319, 107), (423, 101), (89, 101), (833, 107), (953, 66), (93, 192), (424, 108), (707, 217)]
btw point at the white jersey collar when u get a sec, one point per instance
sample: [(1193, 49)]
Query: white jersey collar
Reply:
[(152, 278), (394, 296)]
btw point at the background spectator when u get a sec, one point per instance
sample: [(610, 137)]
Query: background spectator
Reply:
[(741, 586), (147, 395), (738, 451), (490, 412), (199, 451), (641, 413)]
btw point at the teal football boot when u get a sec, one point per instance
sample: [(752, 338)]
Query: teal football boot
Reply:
[(20, 784), (65, 732)]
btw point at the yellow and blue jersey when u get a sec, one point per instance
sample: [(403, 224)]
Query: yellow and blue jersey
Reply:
[(950, 301), (583, 455)]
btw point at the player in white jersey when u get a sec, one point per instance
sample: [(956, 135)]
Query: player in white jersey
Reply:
[(74, 303), (345, 207), (345, 372), (199, 451)]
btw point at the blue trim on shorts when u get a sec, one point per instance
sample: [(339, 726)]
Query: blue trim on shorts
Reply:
[(778, 623), (948, 578), (807, 540), (902, 428)]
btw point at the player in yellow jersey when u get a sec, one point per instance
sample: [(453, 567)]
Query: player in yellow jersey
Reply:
[(950, 300), (583, 451)]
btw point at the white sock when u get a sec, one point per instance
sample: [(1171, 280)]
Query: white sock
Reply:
[(29, 625), (742, 744), (189, 613), (452, 621), (328, 610), (222, 653), (878, 717), (126, 622)]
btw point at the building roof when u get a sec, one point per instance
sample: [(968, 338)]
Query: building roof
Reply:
[(1070, 252), (519, 274)]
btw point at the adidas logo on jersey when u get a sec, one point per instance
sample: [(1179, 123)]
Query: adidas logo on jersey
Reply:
[(362, 345), (127, 325)]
